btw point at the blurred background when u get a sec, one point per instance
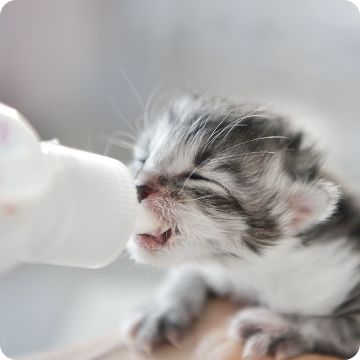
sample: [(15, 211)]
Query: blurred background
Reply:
[(79, 70)]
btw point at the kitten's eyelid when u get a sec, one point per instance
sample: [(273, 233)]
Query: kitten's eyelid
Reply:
[(196, 176), (141, 161)]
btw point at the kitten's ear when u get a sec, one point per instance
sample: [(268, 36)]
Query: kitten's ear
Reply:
[(309, 204)]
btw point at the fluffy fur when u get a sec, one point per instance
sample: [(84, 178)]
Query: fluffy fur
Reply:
[(253, 215)]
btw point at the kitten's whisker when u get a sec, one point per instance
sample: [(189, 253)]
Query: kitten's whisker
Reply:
[(114, 141), (204, 120), (122, 143), (235, 123), (125, 134), (257, 139), (154, 96), (113, 136), (133, 90), (238, 123), (196, 199), (197, 138), (121, 116), (186, 180), (138, 122), (194, 125), (214, 131), (246, 154)]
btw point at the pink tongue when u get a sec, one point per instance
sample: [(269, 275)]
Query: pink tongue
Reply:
[(161, 237)]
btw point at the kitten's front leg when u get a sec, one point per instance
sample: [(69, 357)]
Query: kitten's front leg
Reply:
[(181, 299), (263, 332)]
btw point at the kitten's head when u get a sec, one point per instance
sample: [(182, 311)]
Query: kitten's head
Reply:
[(224, 180)]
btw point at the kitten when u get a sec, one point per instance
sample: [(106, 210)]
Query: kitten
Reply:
[(247, 211)]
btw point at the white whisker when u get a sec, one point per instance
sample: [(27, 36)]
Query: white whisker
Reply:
[(199, 198), (138, 122), (214, 131), (186, 180), (115, 134), (155, 96), (245, 154), (113, 141), (133, 90), (235, 123), (257, 139), (121, 116)]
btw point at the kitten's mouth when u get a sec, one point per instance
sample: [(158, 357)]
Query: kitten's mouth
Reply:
[(154, 241)]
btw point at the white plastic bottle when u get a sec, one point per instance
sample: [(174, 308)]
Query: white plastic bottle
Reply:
[(60, 205)]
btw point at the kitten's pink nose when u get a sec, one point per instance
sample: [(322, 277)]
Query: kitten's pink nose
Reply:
[(143, 191)]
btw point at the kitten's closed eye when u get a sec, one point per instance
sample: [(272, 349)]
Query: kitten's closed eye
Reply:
[(196, 176)]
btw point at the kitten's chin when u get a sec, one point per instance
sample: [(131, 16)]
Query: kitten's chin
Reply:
[(149, 253), (146, 250)]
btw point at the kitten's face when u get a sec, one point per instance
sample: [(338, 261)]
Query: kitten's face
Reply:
[(216, 176)]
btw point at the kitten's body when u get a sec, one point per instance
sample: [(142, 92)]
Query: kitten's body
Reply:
[(283, 280), (248, 211)]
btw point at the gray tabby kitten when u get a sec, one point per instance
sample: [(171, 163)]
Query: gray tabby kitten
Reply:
[(247, 210)]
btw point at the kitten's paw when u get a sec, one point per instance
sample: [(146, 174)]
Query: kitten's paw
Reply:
[(262, 332), (156, 324)]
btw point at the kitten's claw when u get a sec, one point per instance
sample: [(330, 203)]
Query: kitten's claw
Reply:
[(264, 333), (256, 346), (155, 325)]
